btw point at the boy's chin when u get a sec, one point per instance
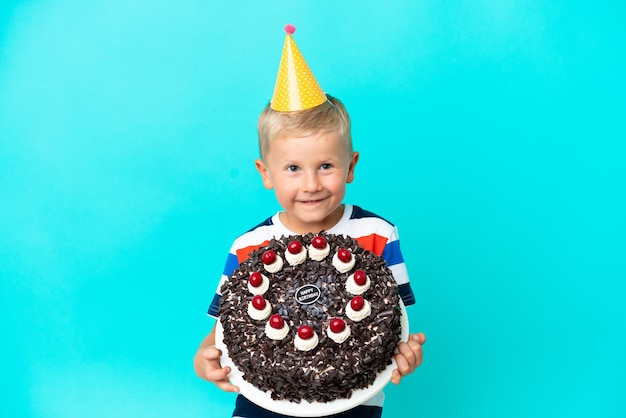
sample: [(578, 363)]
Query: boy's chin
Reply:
[(311, 223)]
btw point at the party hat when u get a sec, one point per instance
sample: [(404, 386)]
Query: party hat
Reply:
[(296, 87)]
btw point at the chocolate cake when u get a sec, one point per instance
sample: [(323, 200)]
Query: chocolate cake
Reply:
[(311, 317)]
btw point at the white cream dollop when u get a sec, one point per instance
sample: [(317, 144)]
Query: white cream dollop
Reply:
[(276, 334), (354, 288), (295, 259), (338, 337), (318, 254), (259, 314), (276, 266), (306, 345), (341, 266), (358, 316), (265, 284)]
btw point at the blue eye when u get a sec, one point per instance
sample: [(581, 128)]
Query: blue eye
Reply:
[(293, 168), (326, 166)]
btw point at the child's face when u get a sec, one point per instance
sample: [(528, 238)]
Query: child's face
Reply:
[(309, 176)]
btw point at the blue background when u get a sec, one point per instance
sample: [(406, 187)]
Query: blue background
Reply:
[(491, 132)]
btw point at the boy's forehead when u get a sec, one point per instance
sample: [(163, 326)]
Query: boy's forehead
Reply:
[(322, 143), (328, 137)]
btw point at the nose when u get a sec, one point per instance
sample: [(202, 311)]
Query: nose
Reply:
[(311, 183)]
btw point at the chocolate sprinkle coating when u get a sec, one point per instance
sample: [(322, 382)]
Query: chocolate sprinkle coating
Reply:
[(330, 371)]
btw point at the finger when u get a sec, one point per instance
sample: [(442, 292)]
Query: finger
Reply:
[(403, 366), (226, 386), (407, 351), (396, 377), (212, 353), (216, 374), (416, 353), (420, 338), (417, 349)]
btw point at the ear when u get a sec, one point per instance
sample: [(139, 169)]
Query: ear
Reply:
[(353, 160), (265, 174)]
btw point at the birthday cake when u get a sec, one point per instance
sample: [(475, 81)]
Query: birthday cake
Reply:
[(311, 317)]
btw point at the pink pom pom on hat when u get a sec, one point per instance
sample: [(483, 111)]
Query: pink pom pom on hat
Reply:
[(296, 88)]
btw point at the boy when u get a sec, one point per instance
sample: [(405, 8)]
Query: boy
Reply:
[(306, 156)]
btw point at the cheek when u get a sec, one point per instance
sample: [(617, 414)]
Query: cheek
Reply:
[(337, 184), (343, 177), (284, 189)]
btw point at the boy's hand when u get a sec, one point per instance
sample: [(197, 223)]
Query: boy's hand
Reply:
[(409, 356), (213, 370)]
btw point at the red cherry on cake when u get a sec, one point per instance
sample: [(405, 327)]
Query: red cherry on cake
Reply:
[(276, 321), (344, 255), (305, 332), (258, 302), (269, 257), (357, 303), (256, 279), (337, 325), (294, 247), (360, 278), (318, 242)]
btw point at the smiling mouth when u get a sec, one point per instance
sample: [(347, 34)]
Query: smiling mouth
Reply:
[(310, 202)]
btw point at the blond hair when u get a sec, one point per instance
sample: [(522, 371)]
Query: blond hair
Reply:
[(330, 116)]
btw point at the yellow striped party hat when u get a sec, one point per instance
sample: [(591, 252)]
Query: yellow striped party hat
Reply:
[(296, 87)]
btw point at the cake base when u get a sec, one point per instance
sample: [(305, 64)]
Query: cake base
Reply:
[(305, 408)]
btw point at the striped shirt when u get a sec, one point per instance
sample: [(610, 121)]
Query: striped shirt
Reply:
[(372, 232)]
